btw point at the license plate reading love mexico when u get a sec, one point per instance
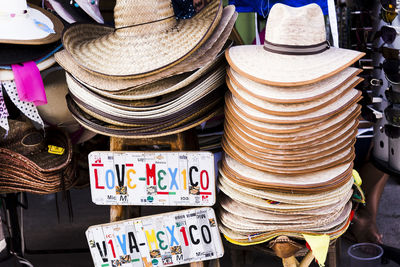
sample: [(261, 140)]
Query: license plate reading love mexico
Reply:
[(159, 240), (152, 178)]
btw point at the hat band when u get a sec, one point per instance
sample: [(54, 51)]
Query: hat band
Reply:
[(298, 50)]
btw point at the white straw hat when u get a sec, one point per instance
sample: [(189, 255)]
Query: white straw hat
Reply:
[(295, 51), (23, 24)]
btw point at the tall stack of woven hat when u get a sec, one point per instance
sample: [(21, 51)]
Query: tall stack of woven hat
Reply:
[(142, 79), (291, 122)]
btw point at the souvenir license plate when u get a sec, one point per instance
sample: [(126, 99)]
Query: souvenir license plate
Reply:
[(164, 239), (149, 178)]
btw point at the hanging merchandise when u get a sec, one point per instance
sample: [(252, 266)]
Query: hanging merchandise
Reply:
[(27, 108), (76, 11), (262, 7), (3, 113)]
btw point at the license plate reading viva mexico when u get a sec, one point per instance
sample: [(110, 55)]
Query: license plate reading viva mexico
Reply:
[(152, 178), (160, 240)]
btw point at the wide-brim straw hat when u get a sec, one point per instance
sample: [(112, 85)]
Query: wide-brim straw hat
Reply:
[(7, 74), (317, 181), (346, 100), (326, 225), (294, 94), (31, 25), (294, 109), (295, 51), (238, 235), (275, 197), (180, 124), (150, 108), (199, 62), (147, 38), (334, 122)]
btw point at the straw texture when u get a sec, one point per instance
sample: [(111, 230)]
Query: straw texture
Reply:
[(120, 51)]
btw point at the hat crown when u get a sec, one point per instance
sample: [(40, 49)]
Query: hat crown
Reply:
[(302, 26), (134, 12), (14, 6)]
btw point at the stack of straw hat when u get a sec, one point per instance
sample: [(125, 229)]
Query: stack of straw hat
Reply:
[(35, 163), (291, 123), (156, 73)]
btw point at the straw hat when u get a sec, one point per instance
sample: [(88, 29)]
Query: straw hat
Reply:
[(295, 51), (189, 95), (337, 120), (317, 181), (292, 109), (147, 38), (295, 94), (201, 60), (23, 24), (86, 119), (348, 99)]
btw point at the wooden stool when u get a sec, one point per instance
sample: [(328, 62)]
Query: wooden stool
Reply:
[(182, 141)]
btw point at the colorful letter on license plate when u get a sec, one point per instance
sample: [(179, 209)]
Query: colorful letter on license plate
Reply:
[(150, 178), (160, 240)]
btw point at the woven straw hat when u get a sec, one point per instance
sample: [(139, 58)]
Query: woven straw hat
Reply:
[(129, 89), (295, 51), (295, 94), (23, 24), (345, 101), (294, 198), (147, 38), (176, 125), (323, 180)]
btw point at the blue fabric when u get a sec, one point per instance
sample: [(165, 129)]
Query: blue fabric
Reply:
[(262, 7)]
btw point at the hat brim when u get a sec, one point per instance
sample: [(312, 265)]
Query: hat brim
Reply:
[(27, 32), (173, 127), (259, 65), (297, 94), (294, 109), (6, 75), (317, 181), (15, 54), (104, 50)]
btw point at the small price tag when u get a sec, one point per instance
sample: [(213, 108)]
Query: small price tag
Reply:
[(56, 150)]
